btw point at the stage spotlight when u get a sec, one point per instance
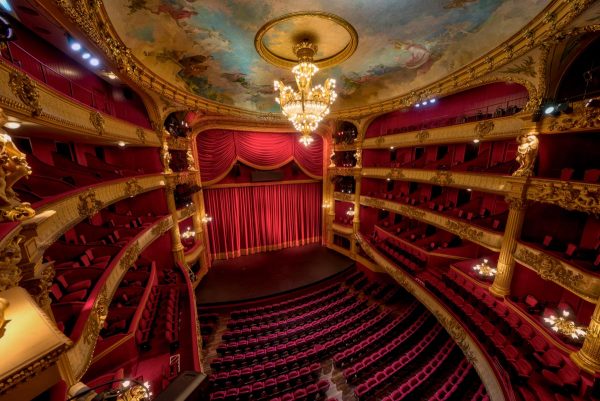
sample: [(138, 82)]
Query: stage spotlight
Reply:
[(565, 108), (76, 46), (86, 55), (593, 103), (550, 110)]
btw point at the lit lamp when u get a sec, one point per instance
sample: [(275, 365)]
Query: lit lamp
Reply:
[(188, 233), (565, 326), (326, 205), (484, 269), (350, 212), (206, 219), (306, 107), (129, 390)]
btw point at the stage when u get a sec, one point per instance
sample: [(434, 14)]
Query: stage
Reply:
[(269, 273)]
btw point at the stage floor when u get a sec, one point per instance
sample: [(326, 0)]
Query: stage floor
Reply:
[(269, 273)]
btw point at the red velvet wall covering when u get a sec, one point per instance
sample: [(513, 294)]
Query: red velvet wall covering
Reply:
[(248, 220), (218, 150)]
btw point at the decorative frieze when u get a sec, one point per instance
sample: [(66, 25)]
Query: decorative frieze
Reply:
[(133, 187), (550, 268), (580, 197), (342, 196), (442, 177), (581, 118), (343, 171), (464, 230)]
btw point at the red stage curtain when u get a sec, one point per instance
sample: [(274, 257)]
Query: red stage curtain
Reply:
[(218, 150), (248, 220)]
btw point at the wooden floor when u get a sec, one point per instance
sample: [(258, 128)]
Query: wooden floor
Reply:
[(269, 273)]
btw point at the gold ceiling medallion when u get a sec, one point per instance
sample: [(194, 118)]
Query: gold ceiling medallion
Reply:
[(312, 25)]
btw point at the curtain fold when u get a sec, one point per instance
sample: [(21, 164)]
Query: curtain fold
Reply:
[(219, 149), (248, 220)]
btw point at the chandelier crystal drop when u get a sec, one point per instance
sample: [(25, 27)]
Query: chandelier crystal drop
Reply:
[(307, 106)]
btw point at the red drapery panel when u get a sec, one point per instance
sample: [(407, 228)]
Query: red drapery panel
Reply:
[(247, 220), (218, 150)]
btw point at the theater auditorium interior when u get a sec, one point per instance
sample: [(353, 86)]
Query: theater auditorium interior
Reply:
[(314, 200)]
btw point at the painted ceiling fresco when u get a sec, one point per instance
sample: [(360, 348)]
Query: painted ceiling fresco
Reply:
[(207, 46)]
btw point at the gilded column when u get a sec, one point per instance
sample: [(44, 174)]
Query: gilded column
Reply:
[(506, 260), (176, 245), (588, 357), (356, 218)]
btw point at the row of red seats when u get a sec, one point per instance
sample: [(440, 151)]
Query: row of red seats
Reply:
[(72, 286), (420, 378), (172, 319), (328, 341), (290, 335), (313, 392), (371, 364), (257, 321), (266, 332), (452, 385), (520, 349), (398, 258), (244, 313), (142, 335), (271, 387), (350, 355)]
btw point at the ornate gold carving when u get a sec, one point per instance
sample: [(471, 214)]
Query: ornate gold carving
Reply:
[(160, 228), (582, 117), (190, 160), (515, 203), (10, 256), (358, 157), (141, 134), (97, 122), (526, 154), (442, 177), (344, 197), (88, 204), (44, 283), (380, 140), (133, 187), (464, 230), (4, 304), (457, 332), (483, 128), (412, 212), (422, 136), (346, 171), (579, 197), (177, 142), (130, 256), (550, 268), (165, 157), (395, 174), (97, 317), (25, 89), (13, 167), (374, 202)]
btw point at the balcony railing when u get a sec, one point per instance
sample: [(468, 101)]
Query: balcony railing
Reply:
[(34, 67)]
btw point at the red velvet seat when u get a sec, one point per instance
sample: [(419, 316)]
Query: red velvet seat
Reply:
[(551, 359)]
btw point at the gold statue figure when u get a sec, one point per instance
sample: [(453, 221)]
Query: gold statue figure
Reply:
[(13, 167), (526, 154), (165, 156)]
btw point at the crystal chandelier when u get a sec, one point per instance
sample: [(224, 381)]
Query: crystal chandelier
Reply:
[(565, 326), (484, 269), (306, 107)]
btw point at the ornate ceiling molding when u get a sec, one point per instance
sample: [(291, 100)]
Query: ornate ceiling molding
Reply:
[(550, 25)]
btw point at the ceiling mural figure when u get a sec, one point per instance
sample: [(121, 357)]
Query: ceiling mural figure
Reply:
[(206, 46)]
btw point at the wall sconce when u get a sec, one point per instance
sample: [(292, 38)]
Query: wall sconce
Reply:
[(326, 205), (207, 219), (565, 326), (188, 233), (484, 269), (350, 212)]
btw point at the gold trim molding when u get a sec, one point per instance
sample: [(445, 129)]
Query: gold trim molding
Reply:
[(577, 196)]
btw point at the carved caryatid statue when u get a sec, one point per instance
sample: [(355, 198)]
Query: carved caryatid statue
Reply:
[(165, 156), (332, 159), (526, 154), (190, 160), (13, 167), (358, 157)]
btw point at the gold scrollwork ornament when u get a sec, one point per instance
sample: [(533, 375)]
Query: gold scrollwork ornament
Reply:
[(97, 122), (10, 256), (25, 89), (88, 204)]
